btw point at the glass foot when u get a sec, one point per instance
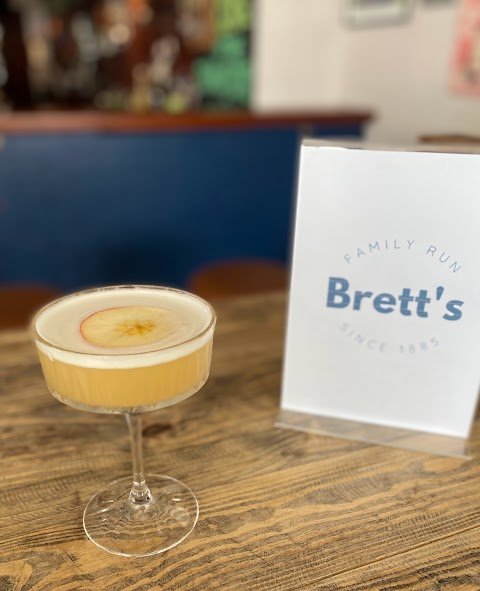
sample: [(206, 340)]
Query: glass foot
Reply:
[(117, 525)]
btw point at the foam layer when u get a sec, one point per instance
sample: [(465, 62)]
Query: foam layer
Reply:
[(58, 325)]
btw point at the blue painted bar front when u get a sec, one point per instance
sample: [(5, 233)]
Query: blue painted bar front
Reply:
[(96, 208)]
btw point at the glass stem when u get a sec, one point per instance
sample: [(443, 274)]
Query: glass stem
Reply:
[(140, 493)]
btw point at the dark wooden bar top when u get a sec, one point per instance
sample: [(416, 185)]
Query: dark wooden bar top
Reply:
[(280, 510), (94, 121)]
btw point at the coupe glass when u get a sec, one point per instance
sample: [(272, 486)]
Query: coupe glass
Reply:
[(153, 513)]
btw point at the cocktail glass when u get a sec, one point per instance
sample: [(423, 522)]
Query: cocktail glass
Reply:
[(155, 513)]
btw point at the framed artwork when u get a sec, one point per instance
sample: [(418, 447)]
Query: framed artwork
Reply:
[(465, 66), (367, 13)]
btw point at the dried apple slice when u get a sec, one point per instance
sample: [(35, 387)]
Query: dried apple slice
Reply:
[(127, 326)]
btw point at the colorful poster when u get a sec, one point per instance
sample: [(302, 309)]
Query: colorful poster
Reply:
[(465, 71)]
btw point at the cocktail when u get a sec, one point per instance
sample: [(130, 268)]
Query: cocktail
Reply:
[(129, 350)]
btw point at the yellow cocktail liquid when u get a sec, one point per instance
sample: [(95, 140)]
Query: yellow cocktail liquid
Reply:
[(125, 349), (121, 390)]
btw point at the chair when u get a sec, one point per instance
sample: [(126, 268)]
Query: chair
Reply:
[(238, 277), (19, 302)]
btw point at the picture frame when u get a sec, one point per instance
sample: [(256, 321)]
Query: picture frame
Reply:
[(370, 13)]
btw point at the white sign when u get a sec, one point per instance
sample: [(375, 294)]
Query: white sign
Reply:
[(384, 315)]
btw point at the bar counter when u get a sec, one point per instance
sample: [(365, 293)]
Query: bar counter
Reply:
[(279, 509), (113, 122), (130, 198)]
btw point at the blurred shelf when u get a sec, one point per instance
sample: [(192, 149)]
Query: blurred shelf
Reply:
[(99, 122)]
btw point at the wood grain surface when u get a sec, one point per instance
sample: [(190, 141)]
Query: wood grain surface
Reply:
[(279, 509)]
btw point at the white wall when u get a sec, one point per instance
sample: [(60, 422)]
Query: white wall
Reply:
[(299, 54), (306, 58)]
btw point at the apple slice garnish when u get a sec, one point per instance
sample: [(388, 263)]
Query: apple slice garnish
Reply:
[(126, 326)]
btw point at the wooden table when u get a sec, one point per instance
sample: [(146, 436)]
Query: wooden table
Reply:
[(280, 510)]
